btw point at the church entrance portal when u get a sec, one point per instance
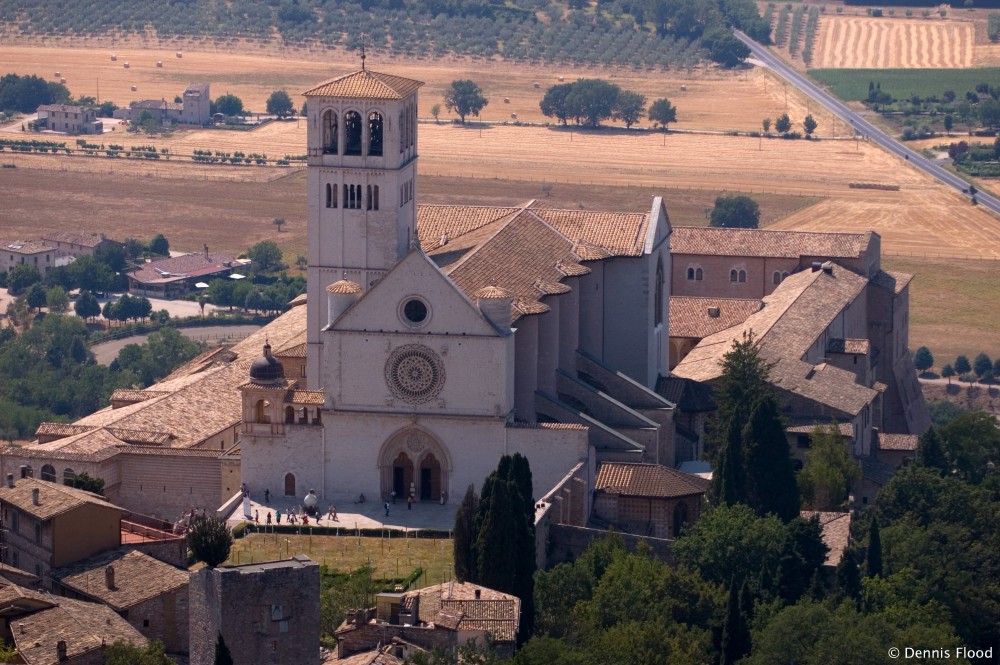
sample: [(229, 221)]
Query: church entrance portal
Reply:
[(412, 462)]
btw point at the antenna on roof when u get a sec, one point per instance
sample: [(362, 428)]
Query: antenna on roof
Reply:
[(362, 51)]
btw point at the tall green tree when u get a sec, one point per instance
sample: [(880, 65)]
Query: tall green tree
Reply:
[(279, 104), (465, 98), (746, 432), (222, 654), (735, 631), (962, 365), (465, 536), (209, 540), (629, 107), (662, 113), (873, 560), (87, 306), (809, 125), (159, 246), (982, 364), (21, 277), (553, 104), (930, 453), (738, 211), (592, 100), (228, 104), (266, 256), (783, 124), (923, 360), (829, 472)]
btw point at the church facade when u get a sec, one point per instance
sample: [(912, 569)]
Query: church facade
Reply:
[(440, 338)]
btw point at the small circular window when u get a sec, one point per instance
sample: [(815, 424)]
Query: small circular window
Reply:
[(415, 311)]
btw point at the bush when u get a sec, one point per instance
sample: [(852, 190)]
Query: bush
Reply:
[(210, 540)]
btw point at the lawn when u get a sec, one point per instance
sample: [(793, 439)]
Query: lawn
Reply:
[(852, 84), (394, 556), (954, 306)]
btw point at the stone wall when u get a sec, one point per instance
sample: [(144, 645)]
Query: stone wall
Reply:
[(164, 618), (566, 543), (268, 613)]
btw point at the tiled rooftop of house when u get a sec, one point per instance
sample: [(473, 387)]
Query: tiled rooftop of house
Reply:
[(180, 267), (455, 603), (701, 317), (367, 84), (24, 246), (81, 239), (763, 243), (53, 499), (836, 533), (838, 345), (904, 442), (138, 577), (39, 621), (64, 108), (647, 480)]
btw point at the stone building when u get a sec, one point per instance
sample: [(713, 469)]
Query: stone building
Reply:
[(50, 630), (278, 621), (49, 525), (647, 499), (68, 243), (175, 276), (151, 595), (70, 119), (27, 252), (193, 109)]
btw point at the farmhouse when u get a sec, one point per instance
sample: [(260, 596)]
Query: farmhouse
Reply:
[(193, 109), (68, 243), (70, 119), (27, 252), (434, 339), (177, 275)]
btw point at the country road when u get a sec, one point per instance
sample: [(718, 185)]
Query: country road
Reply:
[(862, 126), (105, 352)]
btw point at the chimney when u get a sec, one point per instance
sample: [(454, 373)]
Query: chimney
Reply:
[(34, 497), (109, 577), (10, 480), (828, 267), (61, 650), (815, 266)]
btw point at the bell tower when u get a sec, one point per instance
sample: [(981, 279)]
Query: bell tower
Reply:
[(362, 179)]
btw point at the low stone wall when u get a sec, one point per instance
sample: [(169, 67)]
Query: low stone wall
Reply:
[(566, 543)]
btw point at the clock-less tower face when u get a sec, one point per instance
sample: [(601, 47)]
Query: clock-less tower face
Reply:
[(362, 156)]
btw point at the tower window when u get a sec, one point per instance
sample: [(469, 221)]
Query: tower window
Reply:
[(330, 132), (331, 196), (375, 134), (352, 133)]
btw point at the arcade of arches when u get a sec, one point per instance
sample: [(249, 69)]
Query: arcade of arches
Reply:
[(413, 462)]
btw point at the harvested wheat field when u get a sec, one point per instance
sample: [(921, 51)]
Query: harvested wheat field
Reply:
[(706, 103), (859, 42)]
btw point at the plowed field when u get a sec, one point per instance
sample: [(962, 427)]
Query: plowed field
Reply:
[(884, 43)]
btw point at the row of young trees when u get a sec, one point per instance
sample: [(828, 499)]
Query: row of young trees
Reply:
[(783, 125), (589, 101), (981, 368)]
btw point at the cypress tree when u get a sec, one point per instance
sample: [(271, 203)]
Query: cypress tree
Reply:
[(222, 655), (465, 537), (735, 634), (930, 453), (772, 487), (849, 575), (874, 563)]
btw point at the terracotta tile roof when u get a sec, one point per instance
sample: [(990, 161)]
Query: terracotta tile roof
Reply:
[(905, 442), (894, 281), (794, 316), (494, 611), (439, 224), (66, 108), (344, 287), (85, 627), (806, 426), (182, 267), (517, 424), (772, 244), (138, 577), (53, 499), (81, 239), (492, 293), (366, 84), (133, 396), (701, 317), (24, 246), (297, 351), (838, 345), (836, 533), (621, 233), (647, 480), (305, 397), (61, 429), (140, 436)]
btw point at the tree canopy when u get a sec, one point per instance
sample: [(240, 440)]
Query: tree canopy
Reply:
[(279, 104), (662, 112), (735, 212), (26, 93), (829, 472), (209, 540), (923, 360), (266, 256), (465, 98), (228, 104)]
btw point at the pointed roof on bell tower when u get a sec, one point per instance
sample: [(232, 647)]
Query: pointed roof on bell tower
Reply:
[(366, 84)]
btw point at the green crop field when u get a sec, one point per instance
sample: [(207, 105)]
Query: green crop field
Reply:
[(852, 84)]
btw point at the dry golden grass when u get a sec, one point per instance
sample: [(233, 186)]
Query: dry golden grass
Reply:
[(707, 102), (393, 557), (885, 43)]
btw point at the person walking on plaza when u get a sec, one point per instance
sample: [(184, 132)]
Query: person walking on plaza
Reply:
[(409, 502), (269, 519), (386, 508)]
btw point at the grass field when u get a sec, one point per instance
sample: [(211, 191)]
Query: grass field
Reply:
[(852, 84), (954, 305), (389, 557)]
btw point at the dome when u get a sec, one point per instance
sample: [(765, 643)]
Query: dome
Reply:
[(266, 368), (492, 292), (345, 287)]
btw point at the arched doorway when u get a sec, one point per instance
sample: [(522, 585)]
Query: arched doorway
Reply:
[(289, 484), (430, 478), (402, 475), (414, 460)]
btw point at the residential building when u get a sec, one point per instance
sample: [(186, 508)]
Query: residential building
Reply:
[(70, 119), (177, 275), (49, 630), (68, 243), (27, 252), (647, 499), (150, 594), (193, 109)]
